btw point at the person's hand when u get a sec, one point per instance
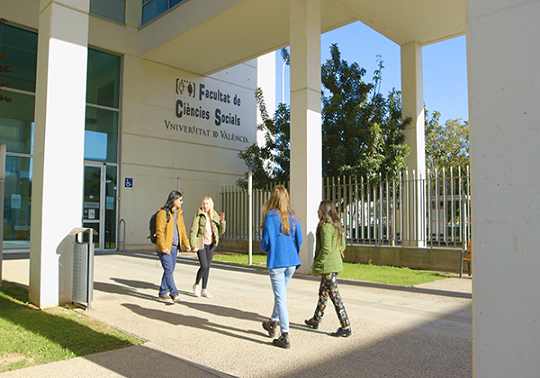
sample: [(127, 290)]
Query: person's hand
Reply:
[(222, 217), (195, 249), (188, 248), (166, 251)]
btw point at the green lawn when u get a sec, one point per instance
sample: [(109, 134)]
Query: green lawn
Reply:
[(29, 336), (362, 272)]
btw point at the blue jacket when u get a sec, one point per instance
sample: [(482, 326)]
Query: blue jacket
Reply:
[(282, 250)]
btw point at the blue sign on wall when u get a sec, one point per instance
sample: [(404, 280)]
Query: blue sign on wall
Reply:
[(129, 182)]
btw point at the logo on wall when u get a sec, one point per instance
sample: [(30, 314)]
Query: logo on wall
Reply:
[(201, 104), (185, 85)]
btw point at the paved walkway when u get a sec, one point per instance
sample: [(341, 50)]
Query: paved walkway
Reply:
[(421, 332)]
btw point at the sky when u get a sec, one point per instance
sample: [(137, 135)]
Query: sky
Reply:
[(444, 67)]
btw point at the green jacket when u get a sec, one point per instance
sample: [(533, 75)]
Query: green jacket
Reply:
[(198, 227), (327, 254)]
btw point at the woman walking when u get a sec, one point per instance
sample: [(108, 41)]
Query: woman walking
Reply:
[(328, 263), (206, 227), (170, 232), (281, 240)]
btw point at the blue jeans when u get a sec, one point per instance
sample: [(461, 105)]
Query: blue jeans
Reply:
[(280, 278), (168, 262)]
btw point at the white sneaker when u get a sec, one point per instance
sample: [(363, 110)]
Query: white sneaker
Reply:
[(206, 294), (197, 290)]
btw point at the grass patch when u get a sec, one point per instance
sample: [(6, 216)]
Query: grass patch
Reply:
[(29, 336), (389, 274), (241, 258), (354, 271)]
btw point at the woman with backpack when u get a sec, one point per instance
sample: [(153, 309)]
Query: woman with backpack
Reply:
[(206, 228), (170, 234), (328, 263)]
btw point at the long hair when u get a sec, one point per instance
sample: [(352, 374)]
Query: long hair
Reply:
[(279, 200), (211, 207), (329, 215), (173, 196)]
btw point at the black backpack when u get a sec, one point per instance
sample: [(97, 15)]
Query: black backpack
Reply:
[(153, 237)]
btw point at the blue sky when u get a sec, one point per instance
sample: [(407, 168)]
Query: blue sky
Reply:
[(444, 65)]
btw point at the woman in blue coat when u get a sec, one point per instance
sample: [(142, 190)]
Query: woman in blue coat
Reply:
[(281, 239)]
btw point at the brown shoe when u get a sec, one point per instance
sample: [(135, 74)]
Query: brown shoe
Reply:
[(164, 297), (176, 299)]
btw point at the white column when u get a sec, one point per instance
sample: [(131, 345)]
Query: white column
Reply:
[(266, 80), (58, 166), (413, 106), (503, 55), (306, 138)]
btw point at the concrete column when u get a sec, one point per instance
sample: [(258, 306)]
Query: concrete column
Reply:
[(413, 106), (58, 166), (503, 55), (266, 80), (306, 137)]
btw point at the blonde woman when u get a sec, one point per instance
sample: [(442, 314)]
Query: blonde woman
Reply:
[(206, 228), (280, 240)]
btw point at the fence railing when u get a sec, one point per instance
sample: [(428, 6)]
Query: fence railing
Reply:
[(433, 211)]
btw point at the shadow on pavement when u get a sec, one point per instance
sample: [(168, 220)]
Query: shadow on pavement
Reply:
[(141, 362), (195, 322)]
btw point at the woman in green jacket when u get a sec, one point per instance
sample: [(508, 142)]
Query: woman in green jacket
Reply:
[(206, 227), (328, 263)]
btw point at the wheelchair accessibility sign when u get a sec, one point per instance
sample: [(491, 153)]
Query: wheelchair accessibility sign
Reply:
[(128, 183)]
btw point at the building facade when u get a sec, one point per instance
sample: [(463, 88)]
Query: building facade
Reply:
[(148, 128), (166, 132)]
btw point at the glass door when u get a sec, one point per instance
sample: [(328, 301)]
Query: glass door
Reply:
[(100, 203)]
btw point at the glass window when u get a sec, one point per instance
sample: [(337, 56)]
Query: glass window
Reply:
[(18, 189), (22, 48), (153, 9), (103, 85), (17, 123), (112, 9), (101, 135)]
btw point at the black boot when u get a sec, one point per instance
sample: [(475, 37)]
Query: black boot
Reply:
[(312, 323), (342, 332), (271, 326), (282, 341)]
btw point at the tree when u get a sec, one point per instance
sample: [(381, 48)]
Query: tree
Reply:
[(362, 129), (271, 162), (447, 146), (5, 68)]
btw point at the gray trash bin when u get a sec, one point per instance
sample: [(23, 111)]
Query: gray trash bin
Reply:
[(83, 267)]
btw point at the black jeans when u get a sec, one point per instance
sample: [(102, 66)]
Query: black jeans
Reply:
[(205, 259)]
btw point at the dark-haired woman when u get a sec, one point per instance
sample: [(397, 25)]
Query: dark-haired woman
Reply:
[(281, 239), (328, 263), (170, 235)]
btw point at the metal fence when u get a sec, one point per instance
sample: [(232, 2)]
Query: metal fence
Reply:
[(433, 211)]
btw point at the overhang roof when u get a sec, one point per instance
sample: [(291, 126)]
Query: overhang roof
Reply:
[(206, 36)]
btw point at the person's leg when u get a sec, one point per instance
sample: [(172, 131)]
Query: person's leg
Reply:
[(209, 252), (279, 287), (323, 296), (168, 262), (289, 272), (165, 262), (336, 300), (201, 254)]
